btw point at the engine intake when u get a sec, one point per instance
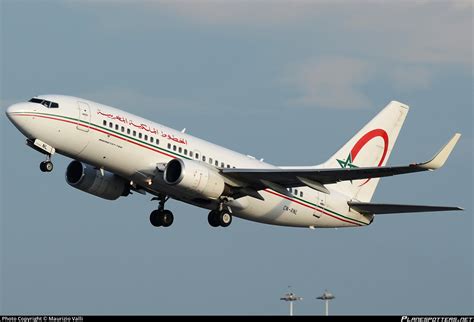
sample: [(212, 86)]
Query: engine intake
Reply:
[(195, 178), (88, 179)]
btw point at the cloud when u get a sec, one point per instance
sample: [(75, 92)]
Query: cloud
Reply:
[(410, 78), (343, 45), (408, 32), (331, 82), (244, 12)]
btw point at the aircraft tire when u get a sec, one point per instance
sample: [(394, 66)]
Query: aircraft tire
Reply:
[(155, 218), (166, 218), (213, 219)]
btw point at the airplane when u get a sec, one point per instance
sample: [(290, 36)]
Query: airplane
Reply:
[(116, 153)]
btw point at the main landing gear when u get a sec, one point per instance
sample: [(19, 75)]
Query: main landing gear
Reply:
[(220, 217), (161, 217)]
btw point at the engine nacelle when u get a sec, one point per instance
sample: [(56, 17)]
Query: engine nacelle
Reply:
[(195, 178), (86, 178)]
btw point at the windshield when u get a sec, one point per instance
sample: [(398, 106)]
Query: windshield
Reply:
[(45, 103)]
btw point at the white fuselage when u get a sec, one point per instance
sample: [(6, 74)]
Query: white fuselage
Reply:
[(131, 147)]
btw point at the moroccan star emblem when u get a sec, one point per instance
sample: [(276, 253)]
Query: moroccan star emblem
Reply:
[(347, 163)]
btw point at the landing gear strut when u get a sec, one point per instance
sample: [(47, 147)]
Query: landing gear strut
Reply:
[(161, 217), (220, 217)]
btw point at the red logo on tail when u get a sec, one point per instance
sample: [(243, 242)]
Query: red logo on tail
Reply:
[(360, 144)]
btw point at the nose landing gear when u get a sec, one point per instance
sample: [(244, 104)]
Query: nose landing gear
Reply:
[(42, 147), (47, 166)]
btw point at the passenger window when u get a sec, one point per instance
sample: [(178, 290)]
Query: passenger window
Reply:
[(174, 147), (104, 122), (134, 133), (180, 150), (203, 158), (152, 139), (296, 192), (169, 146), (139, 135), (116, 127), (185, 152), (111, 125), (128, 131), (228, 166), (216, 163), (123, 129), (301, 193), (210, 160), (191, 154), (222, 164), (146, 137), (197, 156), (157, 142)]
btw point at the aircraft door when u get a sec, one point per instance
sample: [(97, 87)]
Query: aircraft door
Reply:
[(322, 199), (84, 116)]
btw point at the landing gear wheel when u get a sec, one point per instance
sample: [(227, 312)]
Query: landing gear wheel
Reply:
[(155, 218), (213, 219), (225, 219), (166, 218), (46, 166)]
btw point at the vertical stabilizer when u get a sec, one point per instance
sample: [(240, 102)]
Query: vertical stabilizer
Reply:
[(370, 147)]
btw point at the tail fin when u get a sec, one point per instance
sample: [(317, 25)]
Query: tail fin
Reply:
[(370, 147)]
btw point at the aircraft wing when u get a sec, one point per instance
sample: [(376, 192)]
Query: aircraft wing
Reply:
[(279, 179), (385, 208)]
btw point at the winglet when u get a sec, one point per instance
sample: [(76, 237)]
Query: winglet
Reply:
[(440, 158)]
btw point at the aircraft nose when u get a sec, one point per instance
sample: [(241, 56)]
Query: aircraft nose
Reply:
[(13, 113), (15, 108)]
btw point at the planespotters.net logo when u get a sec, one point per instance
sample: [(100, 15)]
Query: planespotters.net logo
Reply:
[(366, 138), (437, 319)]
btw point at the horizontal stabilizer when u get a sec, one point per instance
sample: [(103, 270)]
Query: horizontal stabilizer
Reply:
[(385, 208)]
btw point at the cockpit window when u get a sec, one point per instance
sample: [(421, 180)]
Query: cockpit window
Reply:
[(45, 103)]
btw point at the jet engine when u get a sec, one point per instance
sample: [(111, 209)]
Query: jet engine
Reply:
[(195, 178), (89, 179)]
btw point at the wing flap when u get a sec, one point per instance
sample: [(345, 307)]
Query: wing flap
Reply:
[(385, 208)]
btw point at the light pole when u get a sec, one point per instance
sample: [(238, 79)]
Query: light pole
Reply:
[(327, 296), (291, 297)]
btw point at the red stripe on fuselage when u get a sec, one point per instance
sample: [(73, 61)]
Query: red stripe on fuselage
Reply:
[(99, 130), (308, 206)]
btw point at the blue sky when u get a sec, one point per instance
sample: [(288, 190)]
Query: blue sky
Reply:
[(285, 81)]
